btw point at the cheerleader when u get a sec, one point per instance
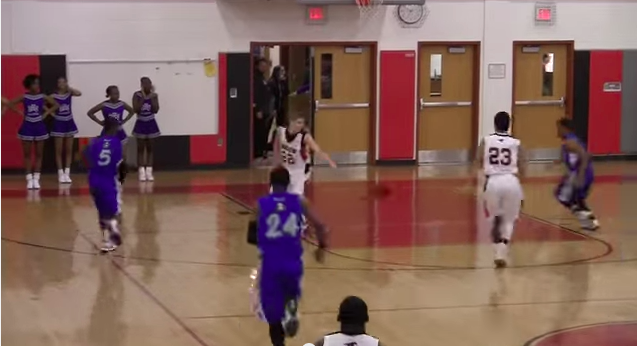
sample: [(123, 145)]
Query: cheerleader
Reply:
[(33, 130), (113, 108), (146, 105), (64, 129)]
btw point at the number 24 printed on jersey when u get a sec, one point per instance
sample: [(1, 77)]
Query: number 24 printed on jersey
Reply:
[(278, 228)]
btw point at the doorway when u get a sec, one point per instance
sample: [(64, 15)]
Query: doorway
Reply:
[(333, 85), (448, 89), (542, 94)]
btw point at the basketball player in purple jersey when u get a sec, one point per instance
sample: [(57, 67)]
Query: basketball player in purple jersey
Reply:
[(575, 186), (106, 172), (64, 129), (113, 108), (277, 232), (33, 129), (146, 105)]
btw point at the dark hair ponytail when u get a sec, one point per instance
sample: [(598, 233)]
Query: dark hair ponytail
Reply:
[(29, 80), (109, 89)]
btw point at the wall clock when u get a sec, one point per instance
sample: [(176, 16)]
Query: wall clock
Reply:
[(411, 15)]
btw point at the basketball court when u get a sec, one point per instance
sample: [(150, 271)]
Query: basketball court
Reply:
[(419, 255)]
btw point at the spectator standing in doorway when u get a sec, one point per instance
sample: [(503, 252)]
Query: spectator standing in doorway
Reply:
[(262, 109), (278, 85)]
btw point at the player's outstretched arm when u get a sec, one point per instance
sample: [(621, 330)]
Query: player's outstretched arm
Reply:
[(311, 143), (276, 148), (252, 229)]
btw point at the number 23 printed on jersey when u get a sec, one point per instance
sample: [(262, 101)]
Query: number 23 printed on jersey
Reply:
[(500, 156)]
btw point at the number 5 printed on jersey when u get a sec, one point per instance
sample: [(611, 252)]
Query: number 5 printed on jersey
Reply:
[(104, 157)]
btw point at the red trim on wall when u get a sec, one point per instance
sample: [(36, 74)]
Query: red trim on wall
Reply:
[(397, 118), (211, 149), (605, 108), (14, 69)]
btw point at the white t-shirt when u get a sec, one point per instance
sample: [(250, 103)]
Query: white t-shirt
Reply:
[(338, 339)]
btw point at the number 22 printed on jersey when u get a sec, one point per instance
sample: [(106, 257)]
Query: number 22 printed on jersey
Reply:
[(287, 157)]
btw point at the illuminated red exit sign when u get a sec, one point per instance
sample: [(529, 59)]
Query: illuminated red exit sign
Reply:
[(544, 13), (316, 15)]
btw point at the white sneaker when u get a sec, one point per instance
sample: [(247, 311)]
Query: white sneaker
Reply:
[(36, 180), (61, 176), (30, 184), (587, 220), (149, 174), (500, 255), (67, 175), (108, 246), (142, 174)]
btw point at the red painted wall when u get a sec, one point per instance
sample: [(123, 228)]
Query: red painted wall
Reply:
[(211, 149), (14, 68), (397, 105), (605, 108)]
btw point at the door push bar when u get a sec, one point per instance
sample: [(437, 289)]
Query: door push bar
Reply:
[(318, 105), (561, 102), (424, 104)]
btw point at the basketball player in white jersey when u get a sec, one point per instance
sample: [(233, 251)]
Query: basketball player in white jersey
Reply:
[(353, 315), (292, 148), (501, 158)]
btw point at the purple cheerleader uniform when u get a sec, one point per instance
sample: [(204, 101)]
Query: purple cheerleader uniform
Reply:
[(146, 125), (63, 125), (115, 110), (33, 127)]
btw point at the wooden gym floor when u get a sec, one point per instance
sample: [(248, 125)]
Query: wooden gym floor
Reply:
[(420, 256)]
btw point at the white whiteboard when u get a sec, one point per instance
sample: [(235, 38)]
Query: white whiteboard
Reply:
[(187, 97)]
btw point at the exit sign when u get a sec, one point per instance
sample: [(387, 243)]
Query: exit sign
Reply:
[(544, 13), (316, 15)]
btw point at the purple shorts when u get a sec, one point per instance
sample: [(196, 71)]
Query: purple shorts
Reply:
[(107, 201)]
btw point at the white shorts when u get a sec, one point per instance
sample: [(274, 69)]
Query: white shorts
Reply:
[(503, 196), (297, 182)]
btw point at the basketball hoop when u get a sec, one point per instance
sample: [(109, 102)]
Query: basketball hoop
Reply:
[(368, 8)]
